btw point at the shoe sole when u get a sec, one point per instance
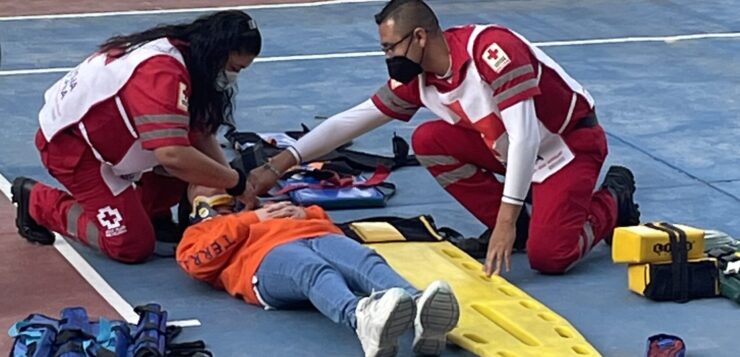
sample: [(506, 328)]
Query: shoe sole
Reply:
[(626, 171), (635, 218), (399, 320), (16, 193), (438, 314)]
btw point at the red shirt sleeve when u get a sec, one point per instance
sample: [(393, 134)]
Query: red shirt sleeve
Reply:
[(398, 100), (156, 97), (508, 65)]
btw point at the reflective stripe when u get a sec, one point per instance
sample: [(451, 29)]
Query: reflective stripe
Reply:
[(521, 87), (585, 243), (516, 72), (394, 103), (164, 133), (162, 118), (124, 116), (570, 113), (434, 160), (93, 238), (588, 231), (73, 215), (460, 173)]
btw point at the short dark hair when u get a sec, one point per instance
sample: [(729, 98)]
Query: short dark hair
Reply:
[(408, 15)]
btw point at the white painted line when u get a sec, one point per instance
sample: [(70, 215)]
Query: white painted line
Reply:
[(184, 323), (5, 186), (183, 11), (22, 72), (95, 280), (666, 39), (319, 56), (91, 275)]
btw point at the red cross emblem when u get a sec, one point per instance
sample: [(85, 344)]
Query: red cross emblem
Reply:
[(493, 54)]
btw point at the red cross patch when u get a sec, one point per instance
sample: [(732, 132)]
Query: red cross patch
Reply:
[(182, 98), (496, 58)]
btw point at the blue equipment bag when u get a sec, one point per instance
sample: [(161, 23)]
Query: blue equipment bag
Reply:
[(332, 190), (34, 336), (74, 335)]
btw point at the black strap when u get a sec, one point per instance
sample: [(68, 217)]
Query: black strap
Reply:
[(679, 259), (70, 347), (241, 183)]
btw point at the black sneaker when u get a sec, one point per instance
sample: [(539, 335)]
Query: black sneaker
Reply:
[(621, 183), (27, 226)]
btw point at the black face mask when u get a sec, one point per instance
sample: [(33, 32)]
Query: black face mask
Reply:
[(402, 69)]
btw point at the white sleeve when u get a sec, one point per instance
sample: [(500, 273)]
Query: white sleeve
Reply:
[(337, 130), (522, 127)]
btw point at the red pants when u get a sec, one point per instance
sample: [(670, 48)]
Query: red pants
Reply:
[(119, 226), (568, 218)]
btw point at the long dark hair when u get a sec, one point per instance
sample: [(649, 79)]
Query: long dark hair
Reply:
[(208, 41)]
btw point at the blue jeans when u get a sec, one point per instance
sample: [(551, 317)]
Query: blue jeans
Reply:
[(329, 271)]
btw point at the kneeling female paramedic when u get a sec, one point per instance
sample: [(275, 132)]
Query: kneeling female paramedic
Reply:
[(144, 101)]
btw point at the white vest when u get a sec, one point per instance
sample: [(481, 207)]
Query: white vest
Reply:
[(94, 81), (475, 97)]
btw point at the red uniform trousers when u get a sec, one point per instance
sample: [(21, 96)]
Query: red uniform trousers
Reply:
[(119, 226), (568, 218)]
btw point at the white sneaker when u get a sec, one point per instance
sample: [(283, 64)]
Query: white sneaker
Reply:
[(437, 313), (381, 319)]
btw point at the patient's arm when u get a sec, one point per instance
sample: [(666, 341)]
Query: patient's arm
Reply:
[(207, 246)]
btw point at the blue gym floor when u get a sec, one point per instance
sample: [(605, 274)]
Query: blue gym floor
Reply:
[(671, 110)]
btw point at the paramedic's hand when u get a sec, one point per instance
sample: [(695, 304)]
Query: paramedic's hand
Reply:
[(262, 179), (249, 198), (499, 248)]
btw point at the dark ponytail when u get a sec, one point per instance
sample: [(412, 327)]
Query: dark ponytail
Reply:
[(209, 40)]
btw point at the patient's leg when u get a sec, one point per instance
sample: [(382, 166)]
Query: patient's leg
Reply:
[(362, 267), (293, 273)]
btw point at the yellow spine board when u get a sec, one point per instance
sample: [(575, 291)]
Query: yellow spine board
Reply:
[(497, 319), (642, 244)]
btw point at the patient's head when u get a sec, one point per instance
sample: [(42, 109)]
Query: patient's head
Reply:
[(208, 201)]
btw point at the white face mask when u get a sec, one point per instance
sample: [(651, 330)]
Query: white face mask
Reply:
[(226, 80)]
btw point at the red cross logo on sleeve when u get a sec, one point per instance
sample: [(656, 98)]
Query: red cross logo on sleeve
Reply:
[(492, 54), (495, 57)]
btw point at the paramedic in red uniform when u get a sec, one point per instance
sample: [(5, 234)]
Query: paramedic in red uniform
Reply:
[(143, 102), (505, 108)]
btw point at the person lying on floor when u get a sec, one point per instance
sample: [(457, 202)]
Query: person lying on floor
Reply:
[(281, 256)]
